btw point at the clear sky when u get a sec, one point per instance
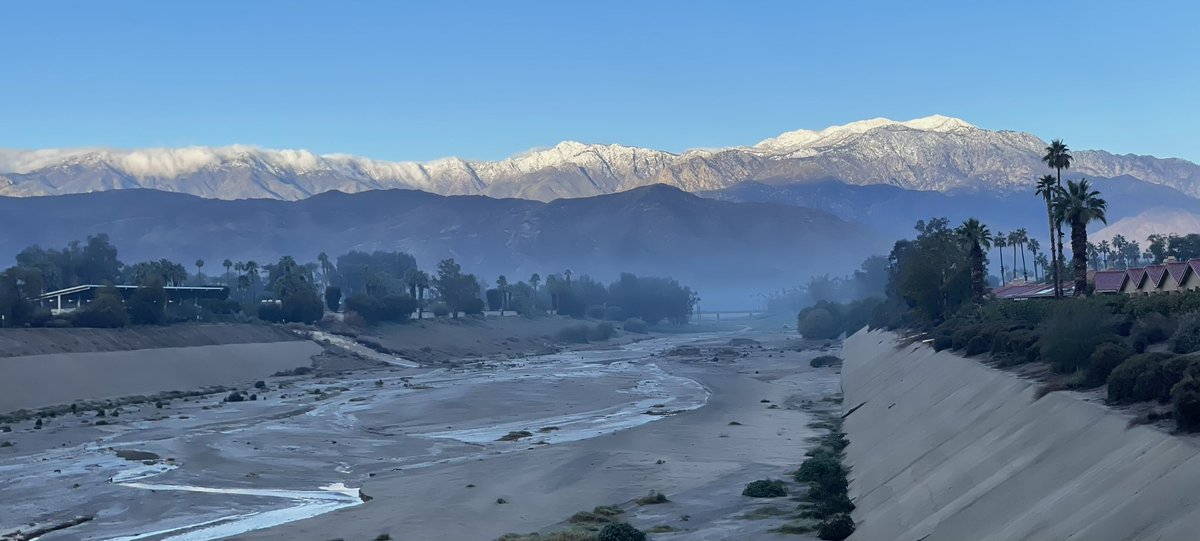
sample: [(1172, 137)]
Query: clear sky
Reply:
[(402, 80)]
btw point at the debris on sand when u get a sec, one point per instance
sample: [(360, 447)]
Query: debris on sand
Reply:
[(515, 435)]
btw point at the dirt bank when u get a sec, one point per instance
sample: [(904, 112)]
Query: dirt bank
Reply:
[(22, 342), (946, 448)]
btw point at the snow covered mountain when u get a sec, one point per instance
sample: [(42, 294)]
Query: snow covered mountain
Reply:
[(935, 153)]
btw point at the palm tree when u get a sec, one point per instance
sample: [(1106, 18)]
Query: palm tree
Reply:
[(1045, 188), (1034, 248), (1058, 157), (1093, 256), (251, 268), (534, 280), (977, 239), (326, 267), (1078, 204), (228, 277), (199, 277), (1022, 238), (502, 286), (1119, 245), (1000, 240), (1013, 240), (1105, 250), (422, 283)]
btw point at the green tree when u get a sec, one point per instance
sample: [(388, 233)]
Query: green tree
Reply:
[(333, 298), (534, 280), (228, 275), (1022, 238), (1046, 189), (502, 287), (252, 276), (978, 240), (1035, 249), (1078, 205), (148, 305), (199, 276), (106, 311)]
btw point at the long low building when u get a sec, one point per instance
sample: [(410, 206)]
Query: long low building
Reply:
[(1167, 277), (73, 298)]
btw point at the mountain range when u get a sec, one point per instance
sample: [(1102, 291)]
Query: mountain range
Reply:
[(935, 153), (723, 248)]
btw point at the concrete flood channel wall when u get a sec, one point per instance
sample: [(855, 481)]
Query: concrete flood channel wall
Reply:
[(946, 448)]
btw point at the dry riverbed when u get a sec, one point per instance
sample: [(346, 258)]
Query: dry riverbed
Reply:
[(430, 453)]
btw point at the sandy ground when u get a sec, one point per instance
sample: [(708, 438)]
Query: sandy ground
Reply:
[(22, 342), (422, 444)]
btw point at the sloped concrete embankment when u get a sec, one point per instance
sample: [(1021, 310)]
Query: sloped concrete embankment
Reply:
[(946, 448)]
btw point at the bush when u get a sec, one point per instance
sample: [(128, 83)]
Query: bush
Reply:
[(270, 312), (574, 334), (235, 397), (620, 532), (818, 324), (976, 345), (1186, 398), (614, 313), (595, 311), (148, 304), (472, 306), (1071, 334), (601, 332), (820, 469), (1147, 376), (1105, 358), (333, 298), (836, 528), (765, 488), (440, 309), (635, 325), (1186, 338), (1152, 328), (105, 311), (824, 360), (943, 342), (302, 307)]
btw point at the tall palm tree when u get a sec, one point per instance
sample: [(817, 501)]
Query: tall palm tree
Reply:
[(1013, 240), (977, 239), (228, 277), (1045, 188), (1078, 204), (1000, 240), (1035, 248), (1058, 157), (199, 277), (422, 281), (1022, 238), (1119, 245), (1105, 250), (502, 286), (1040, 260), (534, 280), (326, 268), (251, 268)]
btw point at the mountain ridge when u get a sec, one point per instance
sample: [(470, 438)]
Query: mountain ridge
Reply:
[(934, 153)]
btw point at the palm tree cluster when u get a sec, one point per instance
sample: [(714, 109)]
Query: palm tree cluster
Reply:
[(1076, 205)]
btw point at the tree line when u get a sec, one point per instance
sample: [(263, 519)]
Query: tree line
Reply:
[(377, 286)]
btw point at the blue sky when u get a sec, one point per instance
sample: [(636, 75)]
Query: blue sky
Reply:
[(402, 80)]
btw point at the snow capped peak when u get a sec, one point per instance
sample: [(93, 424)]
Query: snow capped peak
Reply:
[(804, 139)]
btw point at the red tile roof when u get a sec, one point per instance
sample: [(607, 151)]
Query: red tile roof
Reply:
[(1136, 275), (1176, 271), (1029, 291)]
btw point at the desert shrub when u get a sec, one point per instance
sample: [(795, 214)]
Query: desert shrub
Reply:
[(836, 528), (1186, 338), (653, 498), (1105, 358), (620, 532), (824, 360), (235, 397), (942, 342), (820, 469), (302, 307), (595, 311), (1186, 398), (962, 335), (574, 334), (601, 332), (817, 324), (635, 325), (1071, 334), (270, 312), (976, 345), (1152, 328), (440, 309), (765, 488), (473, 306), (1147, 376)]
